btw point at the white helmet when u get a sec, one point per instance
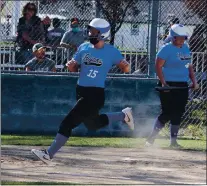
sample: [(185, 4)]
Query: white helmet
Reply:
[(178, 30), (102, 25)]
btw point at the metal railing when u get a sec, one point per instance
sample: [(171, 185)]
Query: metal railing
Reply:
[(138, 60)]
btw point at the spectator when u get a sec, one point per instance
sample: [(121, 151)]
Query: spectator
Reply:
[(40, 62), (55, 35), (73, 39), (46, 24), (29, 31)]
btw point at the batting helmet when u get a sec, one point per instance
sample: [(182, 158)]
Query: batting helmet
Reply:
[(178, 30), (102, 26)]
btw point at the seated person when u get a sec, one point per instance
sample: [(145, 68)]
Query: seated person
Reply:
[(40, 62)]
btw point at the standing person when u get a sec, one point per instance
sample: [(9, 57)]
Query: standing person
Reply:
[(55, 35), (73, 39), (40, 62), (30, 30), (95, 59), (174, 68)]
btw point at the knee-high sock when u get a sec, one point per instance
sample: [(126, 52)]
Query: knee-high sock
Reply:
[(157, 127), (58, 142), (115, 116), (173, 133)]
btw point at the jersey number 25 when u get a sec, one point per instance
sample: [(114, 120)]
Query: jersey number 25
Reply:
[(92, 73)]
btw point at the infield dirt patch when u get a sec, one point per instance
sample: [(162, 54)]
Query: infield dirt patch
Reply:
[(96, 165)]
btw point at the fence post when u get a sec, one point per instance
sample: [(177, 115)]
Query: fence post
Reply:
[(96, 9), (153, 37)]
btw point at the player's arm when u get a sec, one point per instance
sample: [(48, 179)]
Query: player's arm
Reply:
[(124, 66), (158, 66), (161, 57), (72, 66), (193, 77), (119, 61)]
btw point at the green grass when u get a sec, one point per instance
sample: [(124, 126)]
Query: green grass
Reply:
[(35, 183), (99, 142)]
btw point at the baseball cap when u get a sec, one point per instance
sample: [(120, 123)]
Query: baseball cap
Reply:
[(174, 21), (74, 20), (37, 46)]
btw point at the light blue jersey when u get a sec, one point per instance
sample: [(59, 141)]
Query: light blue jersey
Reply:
[(95, 63), (177, 61)]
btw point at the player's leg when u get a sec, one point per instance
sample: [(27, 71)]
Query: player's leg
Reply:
[(96, 98), (72, 120), (180, 98), (125, 116), (163, 118), (97, 121)]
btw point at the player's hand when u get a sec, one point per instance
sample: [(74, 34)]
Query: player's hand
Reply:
[(195, 86), (124, 66), (72, 66), (164, 84)]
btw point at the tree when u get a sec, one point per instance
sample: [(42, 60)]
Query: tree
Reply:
[(114, 11), (46, 2), (198, 39), (197, 7)]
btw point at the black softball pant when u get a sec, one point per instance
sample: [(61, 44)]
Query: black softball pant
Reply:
[(89, 102), (173, 103)]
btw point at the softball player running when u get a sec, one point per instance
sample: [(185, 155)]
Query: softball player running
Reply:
[(95, 59), (174, 68)]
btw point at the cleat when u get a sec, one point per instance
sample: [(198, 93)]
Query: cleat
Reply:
[(175, 146), (43, 155), (148, 144), (129, 117)]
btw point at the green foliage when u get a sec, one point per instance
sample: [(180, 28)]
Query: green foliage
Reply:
[(198, 7), (113, 11), (196, 131)]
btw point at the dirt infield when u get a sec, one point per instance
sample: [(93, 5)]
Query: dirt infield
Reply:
[(94, 165)]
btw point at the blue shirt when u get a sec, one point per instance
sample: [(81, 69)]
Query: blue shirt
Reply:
[(176, 64), (95, 63)]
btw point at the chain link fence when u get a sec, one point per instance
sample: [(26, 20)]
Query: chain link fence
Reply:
[(132, 25)]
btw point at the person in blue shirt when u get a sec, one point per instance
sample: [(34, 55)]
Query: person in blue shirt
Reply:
[(95, 59), (173, 68)]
